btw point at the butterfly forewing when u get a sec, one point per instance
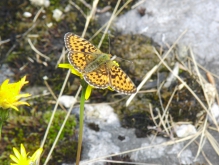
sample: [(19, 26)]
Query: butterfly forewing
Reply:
[(75, 43), (80, 60)]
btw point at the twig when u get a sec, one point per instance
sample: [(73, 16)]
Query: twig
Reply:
[(53, 95), (52, 117), (61, 57), (142, 148), (60, 94), (148, 75), (37, 14), (37, 51), (109, 23), (86, 4), (145, 79), (79, 9), (207, 160), (90, 16), (137, 4), (117, 13)]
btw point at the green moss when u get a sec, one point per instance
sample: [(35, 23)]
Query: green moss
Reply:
[(56, 124), (29, 130)]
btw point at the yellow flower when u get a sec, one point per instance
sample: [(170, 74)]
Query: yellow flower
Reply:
[(74, 71), (22, 157), (9, 94)]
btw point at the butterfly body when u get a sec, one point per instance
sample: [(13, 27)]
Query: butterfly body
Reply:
[(101, 59), (96, 67)]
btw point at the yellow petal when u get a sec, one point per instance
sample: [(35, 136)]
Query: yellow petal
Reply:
[(73, 71), (14, 158), (23, 151), (65, 66), (20, 103), (9, 94), (77, 73), (13, 107), (22, 157), (16, 152), (36, 154), (5, 83), (23, 80), (88, 92), (22, 95)]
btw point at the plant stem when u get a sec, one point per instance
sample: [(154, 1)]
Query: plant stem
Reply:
[(81, 121), (4, 113)]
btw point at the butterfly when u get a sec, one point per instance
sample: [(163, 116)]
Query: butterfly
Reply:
[(98, 68)]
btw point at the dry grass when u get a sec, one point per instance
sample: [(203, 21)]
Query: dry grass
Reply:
[(165, 121), (203, 126)]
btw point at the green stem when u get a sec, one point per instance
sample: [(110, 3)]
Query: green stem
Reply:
[(4, 113), (81, 121), (1, 123)]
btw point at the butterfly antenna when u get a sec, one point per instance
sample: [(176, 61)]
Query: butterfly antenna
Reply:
[(114, 57)]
